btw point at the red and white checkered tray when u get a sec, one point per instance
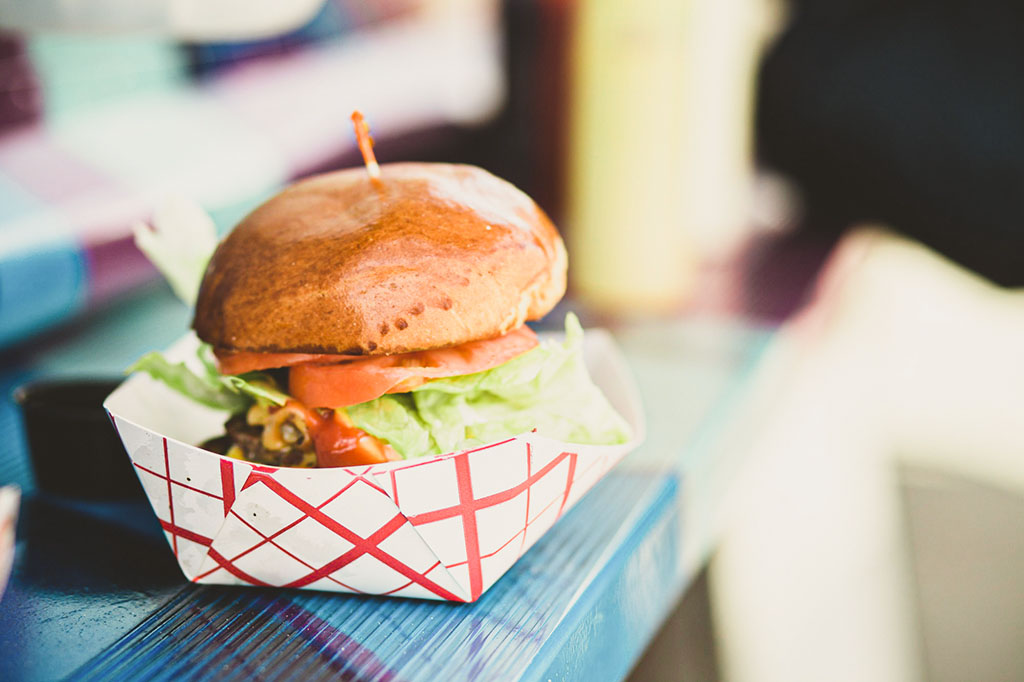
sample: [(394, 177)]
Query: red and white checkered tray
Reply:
[(9, 498), (444, 527)]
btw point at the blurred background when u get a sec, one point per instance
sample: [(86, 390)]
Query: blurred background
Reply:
[(704, 160), (664, 138)]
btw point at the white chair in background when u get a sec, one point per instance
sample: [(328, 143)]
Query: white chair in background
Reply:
[(901, 359)]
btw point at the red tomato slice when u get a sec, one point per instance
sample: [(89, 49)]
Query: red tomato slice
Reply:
[(240, 361), (356, 381)]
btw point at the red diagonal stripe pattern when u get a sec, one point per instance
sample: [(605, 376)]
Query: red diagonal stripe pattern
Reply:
[(526, 522), (371, 549), (461, 469), (170, 497), (489, 500), (361, 546), (348, 557), (270, 538), (227, 484), (468, 511), (569, 478), (529, 522), (175, 482), (171, 526), (177, 531), (234, 570), (469, 505)]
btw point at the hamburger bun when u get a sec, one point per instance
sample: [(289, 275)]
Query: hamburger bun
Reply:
[(428, 256)]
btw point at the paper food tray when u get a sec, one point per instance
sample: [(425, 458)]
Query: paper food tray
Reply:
[(443, 527), (9, 498)]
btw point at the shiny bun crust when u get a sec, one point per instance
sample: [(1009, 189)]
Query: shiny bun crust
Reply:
[(431, 255)]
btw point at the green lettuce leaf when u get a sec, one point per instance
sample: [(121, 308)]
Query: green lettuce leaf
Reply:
[(179, 244), (547, 389), (213, 389)]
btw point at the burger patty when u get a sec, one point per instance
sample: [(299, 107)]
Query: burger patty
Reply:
[(249, 439), (293, 436)]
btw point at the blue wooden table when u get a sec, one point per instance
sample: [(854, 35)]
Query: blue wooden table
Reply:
[(95, 593)]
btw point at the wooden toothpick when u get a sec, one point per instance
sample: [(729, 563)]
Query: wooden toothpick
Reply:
[(365, 142)]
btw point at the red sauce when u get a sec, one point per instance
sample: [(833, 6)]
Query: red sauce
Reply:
[(338, 442)]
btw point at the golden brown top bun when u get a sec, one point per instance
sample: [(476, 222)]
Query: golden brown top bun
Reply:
[(430, 256)]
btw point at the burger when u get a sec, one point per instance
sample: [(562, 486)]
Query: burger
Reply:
[(360, 317)]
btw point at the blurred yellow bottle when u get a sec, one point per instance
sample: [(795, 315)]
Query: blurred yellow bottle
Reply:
[(660, 129)]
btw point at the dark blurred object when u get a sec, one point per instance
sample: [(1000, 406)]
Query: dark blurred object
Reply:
[(20, 101), (75, 452), (525, 142), (538, 36), (909, 113)]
